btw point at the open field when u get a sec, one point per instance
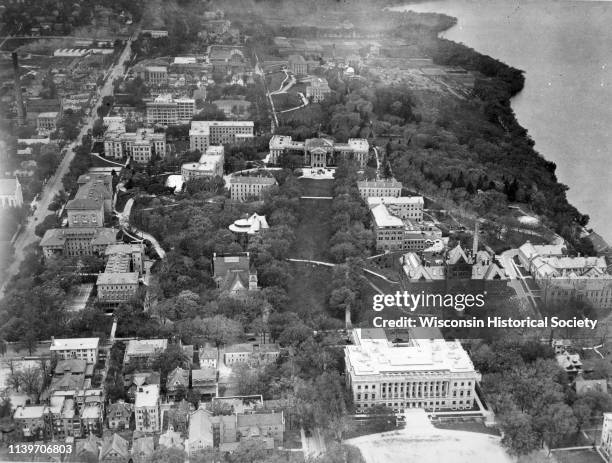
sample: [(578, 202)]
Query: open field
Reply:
[(421, 442)]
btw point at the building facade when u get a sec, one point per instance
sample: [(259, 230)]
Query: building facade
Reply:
[(85, 212), (420, 373), (10, 193), (404, 207), (46, 122), (76, 348), (140, 145), (146, 409), (206, 133), (320, 152), (248, 187), (166, 110), (210, 165), (77, 241), (379, 188)]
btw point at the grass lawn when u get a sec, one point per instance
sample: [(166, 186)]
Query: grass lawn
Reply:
[(578, 456), (274, 80), (310, 287)]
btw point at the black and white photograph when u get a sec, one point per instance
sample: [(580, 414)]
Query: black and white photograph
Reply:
[(306, 231)]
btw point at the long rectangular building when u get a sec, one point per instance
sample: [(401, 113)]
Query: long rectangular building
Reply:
[(419, 373), (320, 152), (166, 110), (205, 133)]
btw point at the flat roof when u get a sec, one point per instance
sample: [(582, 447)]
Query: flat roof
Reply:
[(373, 354), (74, 343), (147, 396), (113, 278), (383, 218), (374, 200)]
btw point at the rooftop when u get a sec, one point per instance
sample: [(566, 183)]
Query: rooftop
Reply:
[(145, 346), (120, 278), (74, 343), (373, 354), (147, 396), (8, 186), (383, 218)]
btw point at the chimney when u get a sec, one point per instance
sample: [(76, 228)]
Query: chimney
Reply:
[(475, 242), (18, 96)]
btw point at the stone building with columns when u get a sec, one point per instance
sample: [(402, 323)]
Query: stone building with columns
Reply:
[(418, 373)]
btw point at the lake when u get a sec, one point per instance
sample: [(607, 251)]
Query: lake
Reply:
[(565, 49)]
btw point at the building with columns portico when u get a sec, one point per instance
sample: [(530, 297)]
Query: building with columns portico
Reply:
[(418, 373)]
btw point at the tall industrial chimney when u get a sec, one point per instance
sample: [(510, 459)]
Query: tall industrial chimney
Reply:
[(18, 96), (475, 242)]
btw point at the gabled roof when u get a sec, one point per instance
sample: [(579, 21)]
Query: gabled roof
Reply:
[(143, 446), (115, 445), (456, 255), (177, 377)]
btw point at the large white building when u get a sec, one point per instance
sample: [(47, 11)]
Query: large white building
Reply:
[(606, 436), (10, 193), (564, 279), (379, 188), (404, 207), (209, 165), (147, 408), (246, 187), (419, 373), (76, 348), (320, 152), (166, 110), (140, 145), (205, 133)]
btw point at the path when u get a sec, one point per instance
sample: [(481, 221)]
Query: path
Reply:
[(131, 230), (54, 185)]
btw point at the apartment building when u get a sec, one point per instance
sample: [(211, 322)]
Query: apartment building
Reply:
[(419, 373), (143, 352), (146, 408), (76, 348)]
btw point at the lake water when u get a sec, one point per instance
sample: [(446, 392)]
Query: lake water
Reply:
[(565, 49)]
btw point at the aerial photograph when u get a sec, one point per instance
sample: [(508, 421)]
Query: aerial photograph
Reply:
[(306, 231)]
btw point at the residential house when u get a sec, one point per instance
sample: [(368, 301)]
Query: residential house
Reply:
[(177, 379), (119, 415), (115, 449), (142, 449), (204, 381)]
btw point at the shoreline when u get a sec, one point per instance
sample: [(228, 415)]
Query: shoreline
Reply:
[(392, 5)]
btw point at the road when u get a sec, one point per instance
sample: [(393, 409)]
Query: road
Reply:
[(54, 185)]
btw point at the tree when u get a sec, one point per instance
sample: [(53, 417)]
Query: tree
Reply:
[(220, 330), (555, 423), (50, 221), (249, 451), (169, 455), (519, 436)]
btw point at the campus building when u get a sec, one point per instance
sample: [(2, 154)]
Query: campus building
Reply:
[(10, 193), (404, 207), (234, 273), (379, 188), (320, 152), (46, 122), (140, 145), (205, 133), (85, 212), (77, 241), (166, 110), (317, 89), (248, 187), (565, 279), (209, 165), (120, 279), (417, 373)]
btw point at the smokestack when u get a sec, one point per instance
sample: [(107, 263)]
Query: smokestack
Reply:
[(475, 243), (18, 96)]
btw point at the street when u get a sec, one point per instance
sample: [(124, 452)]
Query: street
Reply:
[(54, 185)]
